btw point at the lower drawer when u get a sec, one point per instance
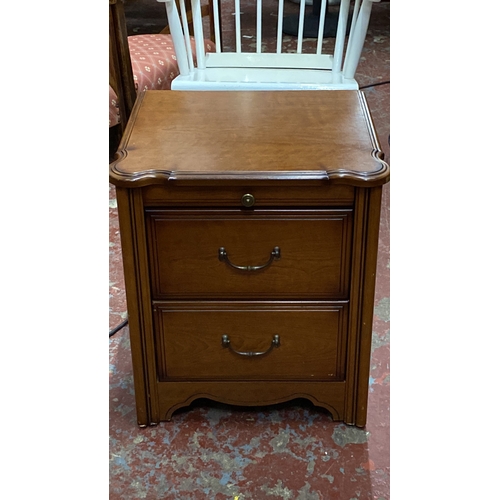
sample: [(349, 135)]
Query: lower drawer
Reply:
[(250, 341)]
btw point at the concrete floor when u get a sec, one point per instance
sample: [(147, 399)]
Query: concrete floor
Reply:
[(288, 451)]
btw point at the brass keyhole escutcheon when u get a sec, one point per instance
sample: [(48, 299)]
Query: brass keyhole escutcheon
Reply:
[(247, 200)]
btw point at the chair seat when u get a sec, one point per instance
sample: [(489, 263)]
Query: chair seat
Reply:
[(154, 63), (154, 66), (262, 79)]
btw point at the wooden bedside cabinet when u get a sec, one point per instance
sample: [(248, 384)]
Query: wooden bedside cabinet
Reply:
[(249, 225)]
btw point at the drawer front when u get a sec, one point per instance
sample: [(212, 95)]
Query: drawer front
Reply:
[(264, 196), (191, 344), (228, 254)]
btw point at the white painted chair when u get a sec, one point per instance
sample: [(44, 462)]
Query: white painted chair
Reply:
[(261, 70)]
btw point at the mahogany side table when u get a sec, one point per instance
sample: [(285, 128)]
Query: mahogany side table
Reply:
[(249, 226)]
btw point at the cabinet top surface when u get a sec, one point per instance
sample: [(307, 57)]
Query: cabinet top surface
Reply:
[(244, 136)]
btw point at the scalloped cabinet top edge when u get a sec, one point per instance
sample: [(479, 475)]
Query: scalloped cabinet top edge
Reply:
[(254, 136)]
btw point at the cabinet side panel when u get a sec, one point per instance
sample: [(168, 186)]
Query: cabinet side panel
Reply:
[(364, 264), (125, 212), (370, 270), (135, 264)]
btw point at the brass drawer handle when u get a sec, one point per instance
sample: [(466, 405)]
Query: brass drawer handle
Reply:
[(275, 254), (274, 343)]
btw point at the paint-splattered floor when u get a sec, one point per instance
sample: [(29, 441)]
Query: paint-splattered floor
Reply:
[(288, 451)]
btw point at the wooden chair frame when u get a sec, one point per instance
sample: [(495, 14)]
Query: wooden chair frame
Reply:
[(239, 70)]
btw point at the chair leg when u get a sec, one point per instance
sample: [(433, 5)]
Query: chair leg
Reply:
[(115, 134)]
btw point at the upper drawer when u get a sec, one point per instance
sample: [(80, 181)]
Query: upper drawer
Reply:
[(265, 254)]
